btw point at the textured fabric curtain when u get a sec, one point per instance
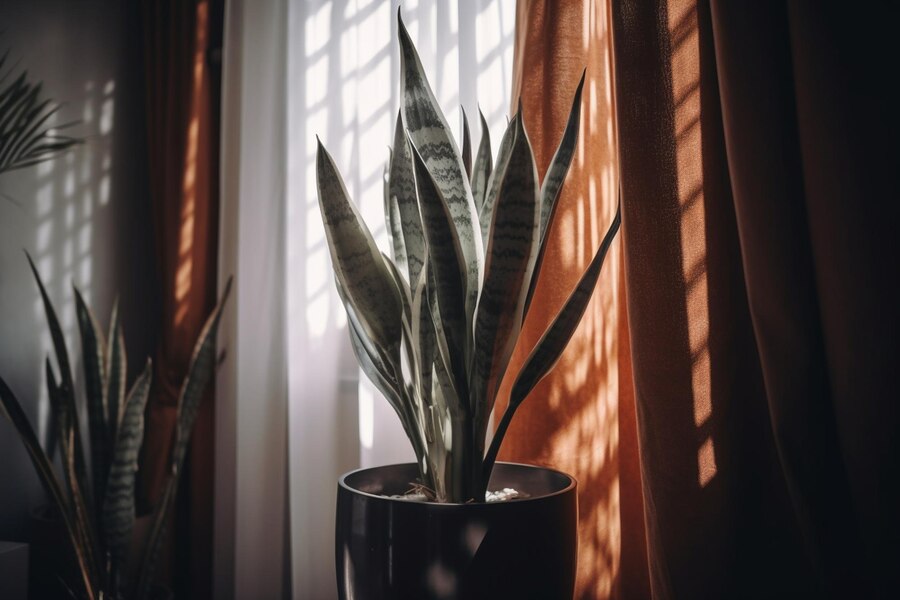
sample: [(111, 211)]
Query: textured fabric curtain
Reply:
[(755, 169), (580, 418), (182, 42)]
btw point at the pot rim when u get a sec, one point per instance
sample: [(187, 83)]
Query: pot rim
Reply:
[(570, 487)]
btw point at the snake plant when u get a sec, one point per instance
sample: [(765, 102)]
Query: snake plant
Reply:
[(98, 511), (434, 324)]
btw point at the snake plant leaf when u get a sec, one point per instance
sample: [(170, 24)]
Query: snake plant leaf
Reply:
[(496, 178), (383, 365), (481, 170), (73, 453), (200, 371), (511, 252), (549, 348), (556, 174), (150, 554), (93, 351), (562, 160), (358, 263), (372, 365), (394, 224), (116, 370), (423, 333), (448, 267), (403, 189), (67, 385), (467, 144), (118, 503), (65, 431), (429, 133), (381, 369), (13, 410)]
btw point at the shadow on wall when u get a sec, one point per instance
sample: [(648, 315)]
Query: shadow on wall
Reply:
[(84, 217)]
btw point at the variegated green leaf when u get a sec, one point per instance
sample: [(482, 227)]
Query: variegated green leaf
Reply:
[(510, 256), (423, 332), (393, 222), (493, 184), (357, 262), (199, 373), (73, 452), (44, 468), (553, 180), (150, 554), (93, 350), (467, 144), (562, 159), (447, 266), (403, 190), (481, 170), (118, 503), (116, 369), (547, 351), (431, 137)]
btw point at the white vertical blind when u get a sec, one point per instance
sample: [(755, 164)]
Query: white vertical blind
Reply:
[(341, 82)]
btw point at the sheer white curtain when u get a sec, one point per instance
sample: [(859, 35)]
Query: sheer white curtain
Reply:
[(340, 82)]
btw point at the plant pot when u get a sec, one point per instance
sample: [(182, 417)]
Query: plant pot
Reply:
[(393, 548), (51, 554)]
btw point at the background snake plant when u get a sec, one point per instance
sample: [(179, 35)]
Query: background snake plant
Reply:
[(434, 325), (98, 511)]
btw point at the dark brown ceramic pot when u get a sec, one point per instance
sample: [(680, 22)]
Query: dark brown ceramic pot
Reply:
[(391, 548)]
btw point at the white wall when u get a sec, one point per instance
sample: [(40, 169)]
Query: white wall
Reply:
[(84, 218)]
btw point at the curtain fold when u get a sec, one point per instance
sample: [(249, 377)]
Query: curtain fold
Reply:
[(182, 46), (580, 418), (756, 323)]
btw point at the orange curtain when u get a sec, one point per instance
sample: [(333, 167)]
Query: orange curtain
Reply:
[(182, 57), (581, 417), (727, 405)]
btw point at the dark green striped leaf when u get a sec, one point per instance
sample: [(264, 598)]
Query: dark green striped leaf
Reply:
[(481, 170), (496, 178), (549, 348), (357, 262), (556, 174), (200, 371), (446, 264), (423, 332), (403, 190), (510, 256), (93, 350), (467, 144), (394, 225), (150, 554), (547, 351), (73, 453), (561, 161), (431, 137), (116, 369), (118, 503), (13, 411)]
